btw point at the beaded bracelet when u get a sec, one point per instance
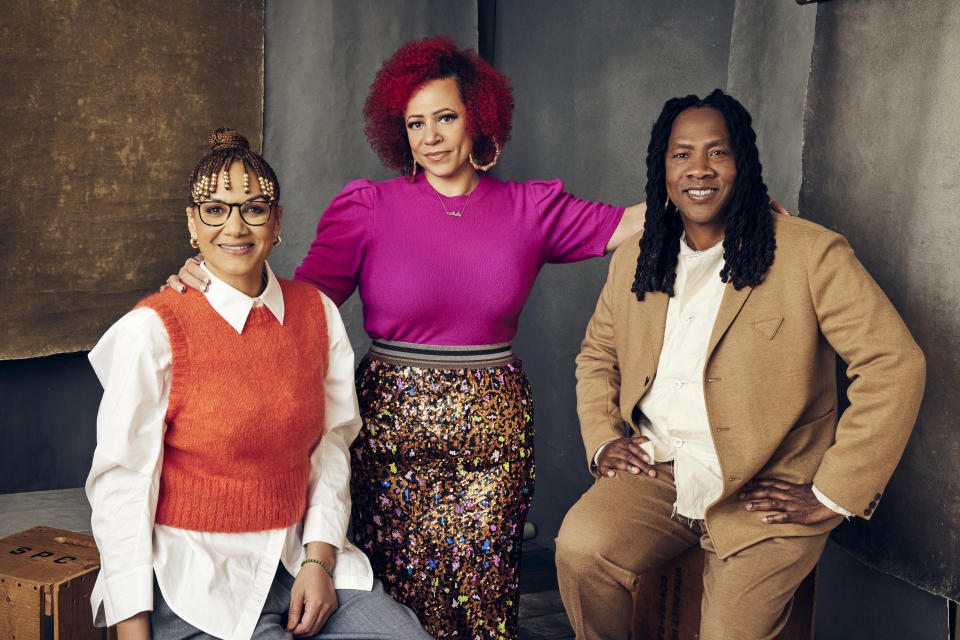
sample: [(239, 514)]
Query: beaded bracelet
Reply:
[(322, 564)]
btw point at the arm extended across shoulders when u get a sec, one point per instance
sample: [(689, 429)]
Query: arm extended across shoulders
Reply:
[(884, 364), (571, 228)]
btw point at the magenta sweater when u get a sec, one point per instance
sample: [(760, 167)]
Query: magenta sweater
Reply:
[(431, 278)]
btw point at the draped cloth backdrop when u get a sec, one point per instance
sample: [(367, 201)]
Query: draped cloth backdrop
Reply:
[(105, 111)]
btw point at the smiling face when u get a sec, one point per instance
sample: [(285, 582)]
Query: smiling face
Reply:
[(700, 174), (235, 252), (436, 122)]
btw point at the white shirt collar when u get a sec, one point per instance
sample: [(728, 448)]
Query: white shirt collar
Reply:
[(234, 305)]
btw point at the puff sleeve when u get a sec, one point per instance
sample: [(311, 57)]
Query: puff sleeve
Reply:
[(343, 236)]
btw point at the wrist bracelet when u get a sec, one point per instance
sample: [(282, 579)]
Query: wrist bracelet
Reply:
[(322, 564)]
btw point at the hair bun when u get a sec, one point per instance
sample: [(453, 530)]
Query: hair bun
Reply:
[(227, 138)]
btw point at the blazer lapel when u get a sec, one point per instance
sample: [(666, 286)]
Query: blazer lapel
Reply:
[(645, 323), (730, 306), (657, 325), (648, 320)]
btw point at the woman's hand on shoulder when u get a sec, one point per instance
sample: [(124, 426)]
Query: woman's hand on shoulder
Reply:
[(776, 207), (191, 275), (313, 598)]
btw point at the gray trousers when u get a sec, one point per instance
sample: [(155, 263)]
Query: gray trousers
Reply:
[(362, 615)]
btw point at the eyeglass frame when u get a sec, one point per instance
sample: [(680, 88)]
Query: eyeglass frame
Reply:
[(230, 205)]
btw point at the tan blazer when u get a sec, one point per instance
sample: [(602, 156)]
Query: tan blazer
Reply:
[(769, 381)]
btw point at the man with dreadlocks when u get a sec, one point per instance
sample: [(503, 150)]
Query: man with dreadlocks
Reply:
[(707, 393)]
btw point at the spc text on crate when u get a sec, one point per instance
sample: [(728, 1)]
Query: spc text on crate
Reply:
[(46, 576)]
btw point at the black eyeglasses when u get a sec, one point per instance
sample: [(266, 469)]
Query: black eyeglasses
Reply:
[(254, 212)]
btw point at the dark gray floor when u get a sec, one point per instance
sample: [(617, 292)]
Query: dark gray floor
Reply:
[(845, 584), (541, 612)]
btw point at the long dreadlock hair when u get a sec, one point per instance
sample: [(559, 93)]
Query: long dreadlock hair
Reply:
[(748, 240)]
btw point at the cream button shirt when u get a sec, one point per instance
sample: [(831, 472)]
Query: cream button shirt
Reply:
[(675, 413)]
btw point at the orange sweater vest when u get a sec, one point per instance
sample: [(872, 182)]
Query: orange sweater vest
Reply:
[(245, 412)]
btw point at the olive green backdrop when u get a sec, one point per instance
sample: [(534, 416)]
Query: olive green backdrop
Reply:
[(105, 109)]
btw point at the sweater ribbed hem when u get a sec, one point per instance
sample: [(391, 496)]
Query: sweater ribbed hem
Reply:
[(231, 505)]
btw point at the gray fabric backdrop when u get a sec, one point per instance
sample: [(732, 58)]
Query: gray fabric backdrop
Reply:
[(880, 165), (589, 80), (105, 110), (320, 60)]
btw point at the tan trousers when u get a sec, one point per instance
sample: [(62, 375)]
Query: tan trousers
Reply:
[(622, 526)]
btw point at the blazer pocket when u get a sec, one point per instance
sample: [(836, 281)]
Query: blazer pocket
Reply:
[(768, 328)]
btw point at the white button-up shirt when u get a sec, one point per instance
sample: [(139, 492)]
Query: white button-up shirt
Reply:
[(217, 582), (674, 409)]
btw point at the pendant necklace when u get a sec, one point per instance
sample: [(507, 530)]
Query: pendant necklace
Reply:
[(455, 213)]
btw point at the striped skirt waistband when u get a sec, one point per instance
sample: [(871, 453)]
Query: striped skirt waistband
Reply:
[(441, 356)]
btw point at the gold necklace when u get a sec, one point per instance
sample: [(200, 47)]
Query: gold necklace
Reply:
[(455, 213)]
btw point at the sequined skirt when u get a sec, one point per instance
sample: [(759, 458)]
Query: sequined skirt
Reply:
[(443, 476)]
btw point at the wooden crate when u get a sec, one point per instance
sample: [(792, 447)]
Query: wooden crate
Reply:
[(46, 576), (666, 602)]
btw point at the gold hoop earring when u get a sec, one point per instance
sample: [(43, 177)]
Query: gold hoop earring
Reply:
[(277, 240), (489, 165), (194, 243)]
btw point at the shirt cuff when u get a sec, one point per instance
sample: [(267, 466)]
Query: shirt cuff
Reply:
[(325, 524), (830, 504), (127, 594), (596, 456)]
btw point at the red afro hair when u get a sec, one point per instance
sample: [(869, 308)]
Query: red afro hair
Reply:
[(485, 92)]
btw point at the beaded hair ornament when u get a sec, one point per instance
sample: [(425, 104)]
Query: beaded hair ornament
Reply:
[(229, 146)]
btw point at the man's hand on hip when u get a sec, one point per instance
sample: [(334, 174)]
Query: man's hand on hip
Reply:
[(795, 502)]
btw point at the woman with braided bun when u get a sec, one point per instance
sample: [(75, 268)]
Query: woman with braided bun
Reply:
[(220, 481), (444, 257)]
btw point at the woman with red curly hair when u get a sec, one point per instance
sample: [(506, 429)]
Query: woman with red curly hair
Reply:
[(444, 257)]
